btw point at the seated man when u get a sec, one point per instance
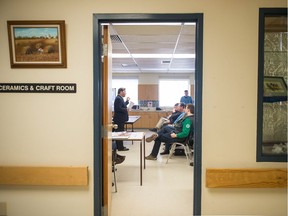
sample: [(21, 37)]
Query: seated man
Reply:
[(177, 111), (169, 134), (116, 158)]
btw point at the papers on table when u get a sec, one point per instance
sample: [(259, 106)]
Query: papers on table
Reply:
[(121, 135)]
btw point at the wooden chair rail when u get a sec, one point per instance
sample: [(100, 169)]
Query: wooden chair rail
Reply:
[(44, 176), (246, 178)]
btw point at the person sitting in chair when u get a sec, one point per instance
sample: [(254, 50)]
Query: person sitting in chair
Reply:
[(116, 158), (169, 134), (177, 111)]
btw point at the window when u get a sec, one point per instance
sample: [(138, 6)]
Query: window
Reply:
[(131, 86), (170, 91), (272, 82)]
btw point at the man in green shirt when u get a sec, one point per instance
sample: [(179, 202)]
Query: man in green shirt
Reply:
[(169, 134)]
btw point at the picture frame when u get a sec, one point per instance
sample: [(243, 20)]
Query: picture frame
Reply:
[(275, 89), (37, 44)]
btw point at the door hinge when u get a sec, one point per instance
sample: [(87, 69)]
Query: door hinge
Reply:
[(105, 49)]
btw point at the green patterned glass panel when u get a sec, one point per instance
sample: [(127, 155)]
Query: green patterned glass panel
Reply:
[(274, 124)]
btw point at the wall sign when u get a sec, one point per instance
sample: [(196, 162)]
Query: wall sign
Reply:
[(38, 88)]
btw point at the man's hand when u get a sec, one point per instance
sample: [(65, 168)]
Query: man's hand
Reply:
[(173, 135)]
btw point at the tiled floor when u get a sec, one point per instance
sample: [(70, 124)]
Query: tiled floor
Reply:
[(167, 189)]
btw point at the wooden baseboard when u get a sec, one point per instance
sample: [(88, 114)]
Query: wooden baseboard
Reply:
[(44, 176), (246, 178)]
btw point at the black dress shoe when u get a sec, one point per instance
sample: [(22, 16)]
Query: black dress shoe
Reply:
[(164, 152), (119, 160), (120, 156), (124, 149), (153, 130)]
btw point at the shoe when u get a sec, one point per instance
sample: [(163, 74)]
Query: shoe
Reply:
[(120, 156), (153, 130), (151, 157), (119, 160), (124, 149), (151, 138), (165, 152), (191, 163)]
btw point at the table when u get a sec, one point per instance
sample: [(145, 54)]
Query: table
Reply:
[(133, 136), (131, 121)]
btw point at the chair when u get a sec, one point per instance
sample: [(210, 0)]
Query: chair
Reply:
[(114, 169), (187, 145)]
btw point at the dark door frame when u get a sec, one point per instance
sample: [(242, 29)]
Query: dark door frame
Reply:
[(99, 19)]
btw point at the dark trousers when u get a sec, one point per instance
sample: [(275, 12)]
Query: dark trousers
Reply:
[(164, 136), (119, 143)]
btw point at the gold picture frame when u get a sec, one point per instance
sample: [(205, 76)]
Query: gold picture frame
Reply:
[(37, 44)]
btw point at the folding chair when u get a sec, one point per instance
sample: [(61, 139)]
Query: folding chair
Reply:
[(187, 145), (114, 169)]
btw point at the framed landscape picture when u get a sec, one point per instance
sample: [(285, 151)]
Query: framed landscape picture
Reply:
[(275, 89), (37, 44)]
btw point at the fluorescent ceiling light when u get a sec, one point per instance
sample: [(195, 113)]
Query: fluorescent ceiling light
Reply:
[(151, 24), (123, 55)]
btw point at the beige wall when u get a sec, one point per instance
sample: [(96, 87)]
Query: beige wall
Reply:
[(55, 129)]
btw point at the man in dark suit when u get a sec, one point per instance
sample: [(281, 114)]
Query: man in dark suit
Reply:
[(121, 115)]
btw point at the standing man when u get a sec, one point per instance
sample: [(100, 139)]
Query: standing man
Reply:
[(120, 115), (186, 98)]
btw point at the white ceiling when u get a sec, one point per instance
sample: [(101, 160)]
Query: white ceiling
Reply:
[(153, 40)]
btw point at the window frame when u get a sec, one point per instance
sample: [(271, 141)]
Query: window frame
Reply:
[(264, 12)]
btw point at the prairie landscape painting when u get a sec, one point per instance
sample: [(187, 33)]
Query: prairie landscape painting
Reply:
[(37, 45)]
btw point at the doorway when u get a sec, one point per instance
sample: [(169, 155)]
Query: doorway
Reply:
[(99, 19)]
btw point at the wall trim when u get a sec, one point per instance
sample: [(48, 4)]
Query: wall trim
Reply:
[(43, 176), (246, 178)]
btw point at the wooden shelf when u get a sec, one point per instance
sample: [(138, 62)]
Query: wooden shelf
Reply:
[(44, 176), (246, 178)]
